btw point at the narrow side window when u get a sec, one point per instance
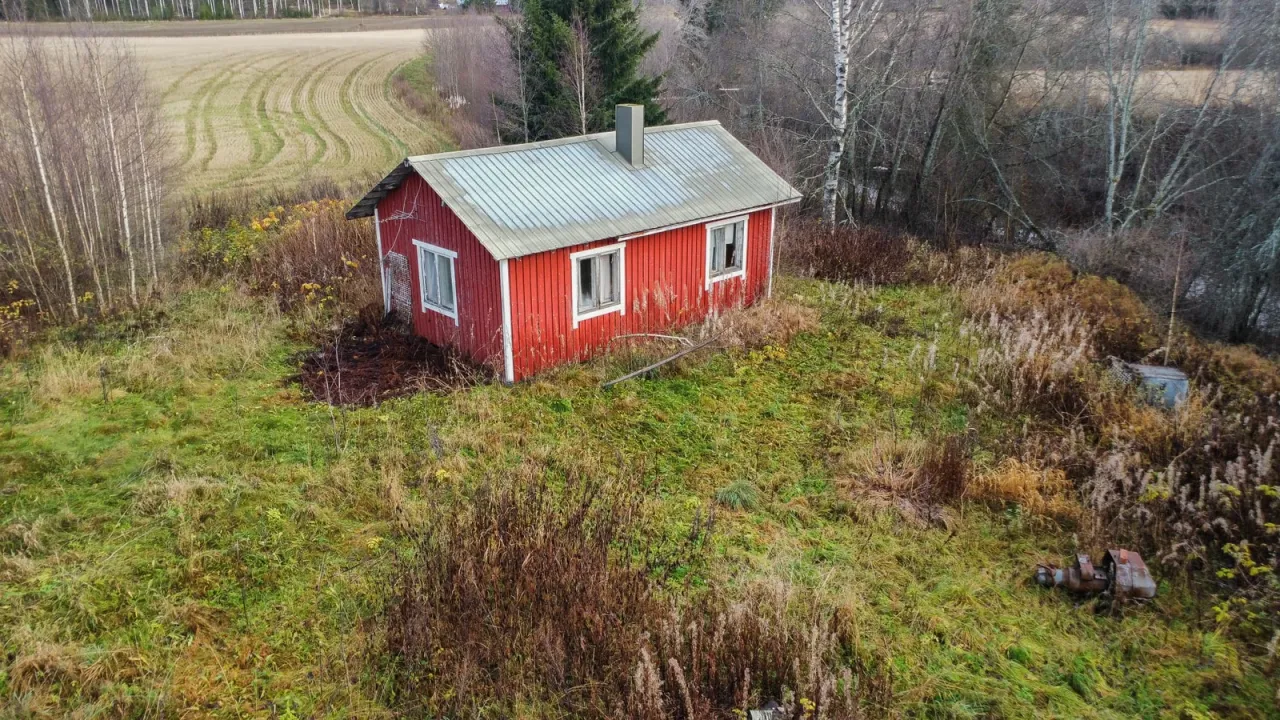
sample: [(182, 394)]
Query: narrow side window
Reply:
[(726, 250), (437, 278)]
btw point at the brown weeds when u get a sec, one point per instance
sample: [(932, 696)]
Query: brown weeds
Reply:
[(1040, 491), (551, 595), (846, 253), (770, 323)]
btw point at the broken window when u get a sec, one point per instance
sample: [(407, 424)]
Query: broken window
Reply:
[(598, 283), (437, 280), (726, 249)]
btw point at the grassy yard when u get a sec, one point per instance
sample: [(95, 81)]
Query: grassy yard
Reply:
[(183, 533)]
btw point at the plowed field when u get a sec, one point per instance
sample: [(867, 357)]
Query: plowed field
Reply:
[(256, 110)]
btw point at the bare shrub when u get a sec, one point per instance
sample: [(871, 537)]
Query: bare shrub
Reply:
[(1241, 371), (218, 209), (320, 257), (1206, 504), (523, 596), (944, 474), (549, 593), (1038, 283), (469, 64), (774, 643), (845, 253), (307, 256)]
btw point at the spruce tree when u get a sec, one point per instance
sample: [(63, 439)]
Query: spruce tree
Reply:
[(538, 45)]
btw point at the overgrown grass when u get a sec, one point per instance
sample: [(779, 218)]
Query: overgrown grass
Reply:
[(192, 536)]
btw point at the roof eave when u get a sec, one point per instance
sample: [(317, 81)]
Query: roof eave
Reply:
[(366, 206)]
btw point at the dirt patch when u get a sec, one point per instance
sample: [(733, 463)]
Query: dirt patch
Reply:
[(373, 360)]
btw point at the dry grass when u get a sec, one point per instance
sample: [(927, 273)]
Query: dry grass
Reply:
[(1042, 284), (1192, 487), (914, 475), (773, 322), (1031, 363), (234, 335), (1042, 491)]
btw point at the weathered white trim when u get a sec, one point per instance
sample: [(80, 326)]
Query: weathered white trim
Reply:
[(508, 354), (621, 305), (773, 240), (382, 266), (453, 276), (740, 272), (713, 218)]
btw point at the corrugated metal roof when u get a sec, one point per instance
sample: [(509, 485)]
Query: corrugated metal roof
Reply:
[(525, 199)]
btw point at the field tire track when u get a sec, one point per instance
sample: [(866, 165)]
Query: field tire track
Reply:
[(251, 109), (299, 98), (428, 133), (210, 102), (247, 109), (375, 130), (264, 118), (388, 94), (193, 114), (318, 116)]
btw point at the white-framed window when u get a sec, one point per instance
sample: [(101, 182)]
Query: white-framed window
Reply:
[(437, 279), (726, 249), (599, 281)]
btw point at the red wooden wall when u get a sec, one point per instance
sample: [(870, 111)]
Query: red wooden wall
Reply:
[(478, 332), (665, 287)]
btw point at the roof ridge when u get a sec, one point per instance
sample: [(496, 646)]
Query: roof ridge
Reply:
[(522, 147)]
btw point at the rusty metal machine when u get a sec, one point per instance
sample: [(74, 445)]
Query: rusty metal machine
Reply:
[(1123, 576)]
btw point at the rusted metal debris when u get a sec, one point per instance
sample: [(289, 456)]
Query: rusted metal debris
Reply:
[(1123, 576)]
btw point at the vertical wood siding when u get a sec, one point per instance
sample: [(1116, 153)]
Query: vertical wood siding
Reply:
[(478, 332), (665, 288)]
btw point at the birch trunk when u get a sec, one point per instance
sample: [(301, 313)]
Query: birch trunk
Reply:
[(88, 242), (126, 235), (48, 201), (839, 108), (149, 225)]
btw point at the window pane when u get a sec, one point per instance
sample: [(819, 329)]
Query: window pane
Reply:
[(444, 273), (717, 250), (608, 279), (430, 291), (732, 245), (586, 283)]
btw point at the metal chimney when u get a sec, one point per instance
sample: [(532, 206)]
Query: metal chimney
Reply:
[(629, 131)]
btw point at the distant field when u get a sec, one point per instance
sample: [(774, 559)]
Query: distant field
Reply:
[(249, 111), (258, 103)]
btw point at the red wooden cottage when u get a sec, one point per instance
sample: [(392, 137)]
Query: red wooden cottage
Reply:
[(528, 256)]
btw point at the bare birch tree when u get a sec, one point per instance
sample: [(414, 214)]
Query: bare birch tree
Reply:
[(69, 167)]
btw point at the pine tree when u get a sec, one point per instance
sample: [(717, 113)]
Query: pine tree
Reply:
[(539, 44)]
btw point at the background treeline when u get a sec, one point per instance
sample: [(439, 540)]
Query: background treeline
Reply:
[(77, 10), (82, 180), (1140, 147)]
